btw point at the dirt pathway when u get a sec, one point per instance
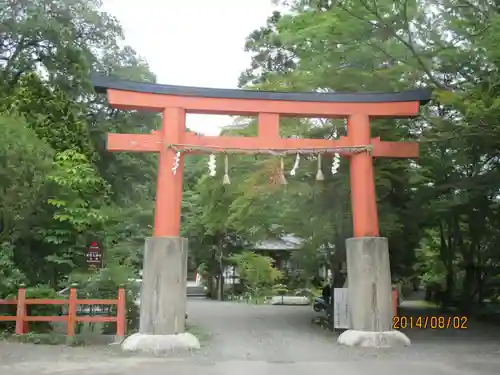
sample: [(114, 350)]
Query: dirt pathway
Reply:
[(247, 339)]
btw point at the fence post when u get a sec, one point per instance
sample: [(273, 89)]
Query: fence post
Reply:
[(121, 315), (21, 328), (72, 312)]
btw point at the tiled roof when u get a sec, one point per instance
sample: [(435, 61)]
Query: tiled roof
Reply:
[(286, 242)]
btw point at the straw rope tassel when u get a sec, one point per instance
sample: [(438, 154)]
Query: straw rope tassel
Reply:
[(295, 165), (336, 163), (283, 180), (225, 179), (319, 175), (177, 160), (212, 165)]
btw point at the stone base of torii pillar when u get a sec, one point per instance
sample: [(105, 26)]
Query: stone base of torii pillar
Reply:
[(163, 299), (370, 295)]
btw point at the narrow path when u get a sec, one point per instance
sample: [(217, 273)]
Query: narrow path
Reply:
[(278, 340), (285, 335), (281, 334)]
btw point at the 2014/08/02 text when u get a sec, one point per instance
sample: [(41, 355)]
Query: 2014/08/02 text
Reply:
[(432, 322)]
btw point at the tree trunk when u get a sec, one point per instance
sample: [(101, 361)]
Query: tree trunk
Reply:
[(470, 284), (450, 287), (480, 286), (220, 287), (446, 254), (210, 286), (467, 289)]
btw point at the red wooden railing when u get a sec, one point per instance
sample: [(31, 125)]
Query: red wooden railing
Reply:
[(22, 318)]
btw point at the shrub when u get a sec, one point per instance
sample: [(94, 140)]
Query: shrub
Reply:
[(42, 292), (256, 271), (104, 284)]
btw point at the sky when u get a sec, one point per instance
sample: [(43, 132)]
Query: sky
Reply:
[(192, 43)]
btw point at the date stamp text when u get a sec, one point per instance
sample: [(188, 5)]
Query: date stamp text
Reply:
[(432, 322)]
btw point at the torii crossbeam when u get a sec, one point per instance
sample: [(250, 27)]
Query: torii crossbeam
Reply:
[(368, 272), (176, 101)]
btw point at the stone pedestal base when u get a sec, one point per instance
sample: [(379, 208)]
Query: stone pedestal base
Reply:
[(163, 289), (159, 344), (367, 339), (370, 295)]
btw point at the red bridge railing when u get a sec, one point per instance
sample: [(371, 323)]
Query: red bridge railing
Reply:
[(72, 318)]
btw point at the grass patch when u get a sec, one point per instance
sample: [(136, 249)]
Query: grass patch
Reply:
[(46, 339), (201, 334), (85, 334), (422, 304)]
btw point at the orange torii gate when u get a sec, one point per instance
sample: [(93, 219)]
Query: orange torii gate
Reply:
[(172, 141)]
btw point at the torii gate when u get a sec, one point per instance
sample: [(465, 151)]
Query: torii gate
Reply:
[(165, 259)]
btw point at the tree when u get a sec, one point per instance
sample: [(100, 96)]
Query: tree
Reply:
[(60, 187), (207, 224), (256, 271), (78, 197), (365, 45), (24, 161)]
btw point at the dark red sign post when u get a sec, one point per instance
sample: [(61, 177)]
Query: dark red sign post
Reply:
[(94, 255)]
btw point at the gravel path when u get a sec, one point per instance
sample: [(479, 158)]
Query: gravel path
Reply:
[(247, 339)]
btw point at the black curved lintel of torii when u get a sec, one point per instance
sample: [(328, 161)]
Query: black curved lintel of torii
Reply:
[(102, 83)]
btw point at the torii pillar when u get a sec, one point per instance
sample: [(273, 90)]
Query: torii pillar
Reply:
[(163, 292)]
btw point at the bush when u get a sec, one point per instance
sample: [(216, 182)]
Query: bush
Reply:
[(296, 279), (104, 285), (37, 292), (256, 272), (306, 292), (42, 292), (279, 290)]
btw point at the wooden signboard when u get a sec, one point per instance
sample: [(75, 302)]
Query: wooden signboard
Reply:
[(94, 255)]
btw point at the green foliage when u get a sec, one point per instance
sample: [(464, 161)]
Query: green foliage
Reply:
[(60, 189), (52, 114), (104, 284), (10, 280), (10, 276), (213, 235), (36, 292), (279, 289), (79, 193), (24, 162), (256, 271), (440, 215), (429, 264), (78, 197), (42, 292), (201, 334)]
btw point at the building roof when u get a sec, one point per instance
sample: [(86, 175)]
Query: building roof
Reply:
[(288, 242), (285, 242)]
